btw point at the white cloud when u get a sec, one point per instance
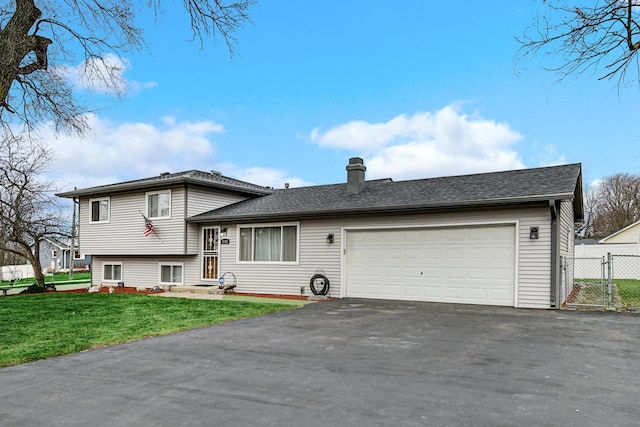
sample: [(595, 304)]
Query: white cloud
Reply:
[(104, 75), (274, 178), (427, 144), (548, 156), (117, 152)]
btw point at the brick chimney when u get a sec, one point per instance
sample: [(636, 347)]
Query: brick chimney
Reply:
[(355, 175)]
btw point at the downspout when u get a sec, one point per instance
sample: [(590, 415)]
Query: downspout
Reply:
[(185, 241), (555, 258)]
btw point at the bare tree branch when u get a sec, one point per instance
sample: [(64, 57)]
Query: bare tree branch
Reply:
[(612, 205), (37, 43), (29, 211), (603, 36)]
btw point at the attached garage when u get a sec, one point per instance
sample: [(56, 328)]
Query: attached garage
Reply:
[(495, 238), (464, 264)]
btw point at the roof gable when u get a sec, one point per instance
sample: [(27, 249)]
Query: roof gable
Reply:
[(488, 189), (628, 234)]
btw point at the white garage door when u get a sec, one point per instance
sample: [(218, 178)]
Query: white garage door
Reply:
[(469, 265)]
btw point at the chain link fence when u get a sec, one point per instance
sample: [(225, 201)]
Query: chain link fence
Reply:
[(611, 282), (625, 282)]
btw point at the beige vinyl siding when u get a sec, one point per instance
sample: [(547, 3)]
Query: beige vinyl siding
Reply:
[(567, 242), (534, 268), (144, 271), (123, 234), (631, 235), (204, 199), (317, 256), (200, 200)]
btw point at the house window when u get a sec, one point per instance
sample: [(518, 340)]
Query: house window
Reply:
[(99, 210), (272, 243), (159, 204), (171, 273), (112, 272)]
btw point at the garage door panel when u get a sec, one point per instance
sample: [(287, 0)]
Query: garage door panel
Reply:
[(457, 264)]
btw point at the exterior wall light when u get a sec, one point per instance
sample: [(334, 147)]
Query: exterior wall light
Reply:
[(330, 238), (533, 233)]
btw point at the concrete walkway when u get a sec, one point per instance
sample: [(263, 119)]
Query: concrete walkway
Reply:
[(349, 363)]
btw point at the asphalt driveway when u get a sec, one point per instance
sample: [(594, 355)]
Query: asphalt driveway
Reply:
[(349, 363)]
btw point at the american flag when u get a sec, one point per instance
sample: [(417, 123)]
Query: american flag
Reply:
[(148, 226)]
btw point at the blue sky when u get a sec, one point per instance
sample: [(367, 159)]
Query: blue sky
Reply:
[(418, 89)]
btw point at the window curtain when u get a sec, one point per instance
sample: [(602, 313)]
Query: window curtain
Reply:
[(153, 206), (289, 243), (165, 274), (267, 244), (245, 244), (163, 204), (177, 274), (117, 272)]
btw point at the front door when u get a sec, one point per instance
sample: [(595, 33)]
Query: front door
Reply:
[(210, 246)]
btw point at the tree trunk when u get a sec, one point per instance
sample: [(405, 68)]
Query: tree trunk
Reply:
[(16, 43), (37, 266)]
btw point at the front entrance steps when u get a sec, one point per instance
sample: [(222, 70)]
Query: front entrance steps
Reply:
[(197, 289)]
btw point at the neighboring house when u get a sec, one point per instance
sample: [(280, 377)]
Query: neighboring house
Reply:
[(494, 238), (629, 234), (624, 242), (55, 255)]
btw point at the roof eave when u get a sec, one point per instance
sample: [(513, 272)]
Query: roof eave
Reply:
[(376, 210), (123, 187)]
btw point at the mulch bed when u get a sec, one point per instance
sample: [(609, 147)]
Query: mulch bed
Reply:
[(132, 290), (294, 297), (116, 290)]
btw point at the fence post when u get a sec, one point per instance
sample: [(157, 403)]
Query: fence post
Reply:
[(609, 277), (563, 286)]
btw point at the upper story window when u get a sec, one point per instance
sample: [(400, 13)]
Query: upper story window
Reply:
[(159, 204), (269, 243), (99, 209)]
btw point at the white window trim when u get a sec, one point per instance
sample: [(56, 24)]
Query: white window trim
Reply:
[(264, 225), (146, 203), (100, 199), (170, 264), (121, 279)]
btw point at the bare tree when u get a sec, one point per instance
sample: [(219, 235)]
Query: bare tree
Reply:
[(612, 205), (38, 42), (29, 211), (603, 35)]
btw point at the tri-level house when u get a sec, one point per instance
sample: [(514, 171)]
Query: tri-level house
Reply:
[(495, 238)]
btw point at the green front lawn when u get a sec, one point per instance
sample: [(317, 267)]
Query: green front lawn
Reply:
[(48, 278), (39, 326)]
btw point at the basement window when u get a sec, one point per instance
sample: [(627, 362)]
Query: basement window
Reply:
[(171, 274), (112, 272)]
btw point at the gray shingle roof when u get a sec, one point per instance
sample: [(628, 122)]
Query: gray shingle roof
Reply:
[(208, 179), (488, 189)]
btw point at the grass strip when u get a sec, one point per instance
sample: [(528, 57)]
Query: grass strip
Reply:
[(40, 326), (58, 277)]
